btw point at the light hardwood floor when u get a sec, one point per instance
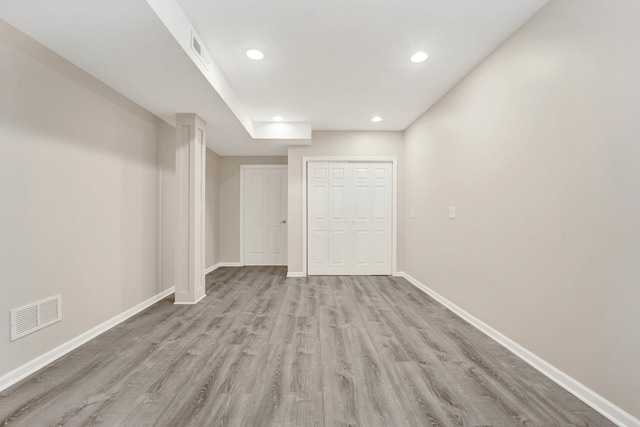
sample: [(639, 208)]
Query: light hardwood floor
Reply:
[(263, 350)]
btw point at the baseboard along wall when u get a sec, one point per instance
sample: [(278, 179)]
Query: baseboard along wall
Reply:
[(608, 409), (222, 264), (20, 373), (296, 274), (51, 356)]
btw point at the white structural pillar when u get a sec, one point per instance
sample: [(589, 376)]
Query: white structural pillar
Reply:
[(191, 154)]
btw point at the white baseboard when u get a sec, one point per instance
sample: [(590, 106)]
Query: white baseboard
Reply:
[(221, 264), (212, 268), (40, 362), (296, 274), (614, 413), (229, 264), (191, 303)]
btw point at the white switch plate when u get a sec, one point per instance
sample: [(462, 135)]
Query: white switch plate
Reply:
[(452, 212), (412, 213)]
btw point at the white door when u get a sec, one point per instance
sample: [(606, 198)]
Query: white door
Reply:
[(264, 215), (350, 208), (328, 218)]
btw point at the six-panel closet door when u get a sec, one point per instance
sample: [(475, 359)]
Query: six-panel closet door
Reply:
[(349, 218)]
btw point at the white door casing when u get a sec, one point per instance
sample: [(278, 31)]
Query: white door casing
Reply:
[(350, 210), (264, 214)]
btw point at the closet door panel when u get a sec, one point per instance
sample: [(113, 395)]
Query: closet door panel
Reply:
[(318, 217), (339, 245), (372, 218)]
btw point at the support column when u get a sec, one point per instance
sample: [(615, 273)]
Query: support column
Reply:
[(191, 158)]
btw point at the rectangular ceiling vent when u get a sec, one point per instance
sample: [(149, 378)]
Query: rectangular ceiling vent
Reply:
[(35, 316), (198, 47)]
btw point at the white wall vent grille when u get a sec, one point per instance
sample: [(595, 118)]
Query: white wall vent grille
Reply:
[(35, 316)]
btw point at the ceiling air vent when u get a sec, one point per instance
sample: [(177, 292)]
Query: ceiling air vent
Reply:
[(196, 46), (35, 316), (200, 51)]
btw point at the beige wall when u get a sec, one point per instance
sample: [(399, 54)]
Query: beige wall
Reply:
[(229, 222), (376, 144), (166, 138), (212, 253), (538, 150), (79, 190)]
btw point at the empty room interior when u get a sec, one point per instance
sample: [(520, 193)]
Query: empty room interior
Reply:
[(335, 213)]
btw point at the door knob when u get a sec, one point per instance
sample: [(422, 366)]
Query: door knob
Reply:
[(284, 221)]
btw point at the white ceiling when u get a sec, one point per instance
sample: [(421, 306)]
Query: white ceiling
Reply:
[(331, 63), (337, 63)]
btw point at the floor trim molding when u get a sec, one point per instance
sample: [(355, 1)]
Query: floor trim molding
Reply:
[(212, 268), (221, 264), (191, 303), (614, 413), (40, 362), (296, 274), (229, 264)]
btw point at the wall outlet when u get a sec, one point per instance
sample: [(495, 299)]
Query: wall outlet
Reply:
[(452, 212), (412, 213)]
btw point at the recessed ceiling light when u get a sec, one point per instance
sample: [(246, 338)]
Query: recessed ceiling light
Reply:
[(276, 118), (255, 54), (419, 57), (376, 119)]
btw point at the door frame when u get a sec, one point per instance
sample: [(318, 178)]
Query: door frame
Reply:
[(244, 168), (394, 208)]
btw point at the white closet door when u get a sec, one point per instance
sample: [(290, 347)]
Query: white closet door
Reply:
[(349, 218), (328, 210), (371, 213), (264, 213)]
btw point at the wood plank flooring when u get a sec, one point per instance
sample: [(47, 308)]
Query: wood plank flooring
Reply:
[(263, 350)]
